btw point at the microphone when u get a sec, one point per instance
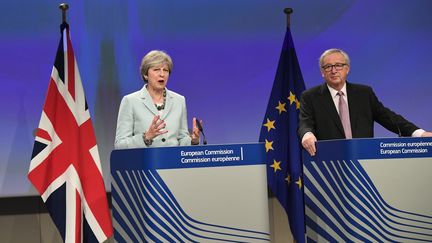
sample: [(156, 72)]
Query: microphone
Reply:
[(200, 128), (396, 125), (399, 131)]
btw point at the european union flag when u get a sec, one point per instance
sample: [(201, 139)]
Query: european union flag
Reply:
[(284, 165)]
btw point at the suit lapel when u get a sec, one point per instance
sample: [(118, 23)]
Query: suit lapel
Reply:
[(147, 101), (353, 105), (329, 105)]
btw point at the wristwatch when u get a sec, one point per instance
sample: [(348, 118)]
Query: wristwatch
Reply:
[(147, 142)]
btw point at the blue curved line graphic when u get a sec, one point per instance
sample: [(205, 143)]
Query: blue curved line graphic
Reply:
[(345, 178), (167, 221), (164, 190), (380, 208)]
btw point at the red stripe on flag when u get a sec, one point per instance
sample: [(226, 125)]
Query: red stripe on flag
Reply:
[(71, 66), (91, 181), (78, 219), (43, 134)]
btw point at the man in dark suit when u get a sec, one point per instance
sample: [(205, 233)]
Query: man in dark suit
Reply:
[(338, 109)]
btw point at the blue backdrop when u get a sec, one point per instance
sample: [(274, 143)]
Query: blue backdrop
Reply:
[(225, 58)]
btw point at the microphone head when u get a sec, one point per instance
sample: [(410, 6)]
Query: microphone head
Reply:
[(200, 128), (198, 123)]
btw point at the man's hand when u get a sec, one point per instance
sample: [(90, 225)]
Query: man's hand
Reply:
[(427, 134), (308, 142)]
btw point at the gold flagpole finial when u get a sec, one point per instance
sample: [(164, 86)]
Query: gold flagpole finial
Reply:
[(64, 7), (288, 12)]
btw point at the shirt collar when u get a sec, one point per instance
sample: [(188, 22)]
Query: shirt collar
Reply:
[(334, 92)]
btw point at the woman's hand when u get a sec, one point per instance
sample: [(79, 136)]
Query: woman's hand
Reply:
[(156, 128), (195, 136)]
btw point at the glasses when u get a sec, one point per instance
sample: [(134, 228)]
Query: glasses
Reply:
[(337, 66)]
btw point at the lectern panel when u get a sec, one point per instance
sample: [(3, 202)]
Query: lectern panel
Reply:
[(190, 194)]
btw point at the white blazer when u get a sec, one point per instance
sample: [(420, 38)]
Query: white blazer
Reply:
[(136, 113)]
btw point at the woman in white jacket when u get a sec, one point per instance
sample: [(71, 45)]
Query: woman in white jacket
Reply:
[(154, 116)]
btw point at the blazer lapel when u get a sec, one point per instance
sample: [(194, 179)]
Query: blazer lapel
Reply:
[(329, 105), (147, 100), (168, 104)]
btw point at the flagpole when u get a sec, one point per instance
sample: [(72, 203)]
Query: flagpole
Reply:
[(288, 12), (299, 237), (64, 7)]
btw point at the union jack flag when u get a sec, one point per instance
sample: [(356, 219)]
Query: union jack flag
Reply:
[(65, 166)]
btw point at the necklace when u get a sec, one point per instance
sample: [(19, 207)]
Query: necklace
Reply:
[(161, 107)]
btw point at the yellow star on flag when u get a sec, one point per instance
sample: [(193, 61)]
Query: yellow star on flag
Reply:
[(268, 145), (269, 125), (281, 107), (291, 98), (276, 165), (297, 104), (288, 179), (299, 183)]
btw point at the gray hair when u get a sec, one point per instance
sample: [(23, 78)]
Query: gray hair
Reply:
[(331, 51), (155, 58)]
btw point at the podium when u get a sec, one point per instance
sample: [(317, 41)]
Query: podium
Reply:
[(369, 190), (208, 193)]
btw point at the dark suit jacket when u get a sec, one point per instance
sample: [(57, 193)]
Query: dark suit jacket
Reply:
[(318, 114)]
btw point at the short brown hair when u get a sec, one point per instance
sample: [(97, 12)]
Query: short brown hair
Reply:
[(154, 58)]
